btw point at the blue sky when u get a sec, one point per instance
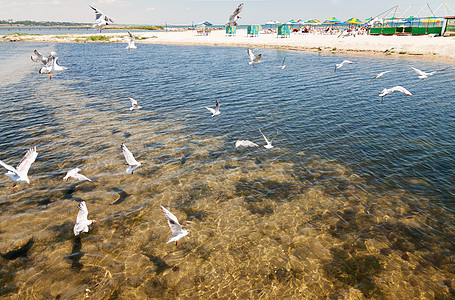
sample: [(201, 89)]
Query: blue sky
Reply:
[(188, 11)]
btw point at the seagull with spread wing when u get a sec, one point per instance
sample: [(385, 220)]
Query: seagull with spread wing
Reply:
[(101, 19), (130, 160), (337, 66), (423, 75), (235, 16), (176, 228), (396, 88), (253, 59), (215, 111), (131, 44), (380, 75), (134, 104), (19, 174), (269, 143), (74, 173), (82, 223)]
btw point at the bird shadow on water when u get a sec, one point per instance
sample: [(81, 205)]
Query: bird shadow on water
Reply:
[(21, 252), (160, 264), (122, 195), (76, 255)]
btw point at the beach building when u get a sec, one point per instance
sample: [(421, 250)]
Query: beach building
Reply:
[(448, 27)]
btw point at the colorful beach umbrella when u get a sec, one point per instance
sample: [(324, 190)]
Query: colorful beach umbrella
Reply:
[(354, 21), (312, 22), (431, 19), (332, 20)]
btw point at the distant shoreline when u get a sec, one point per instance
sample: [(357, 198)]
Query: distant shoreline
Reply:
[(426, 47)]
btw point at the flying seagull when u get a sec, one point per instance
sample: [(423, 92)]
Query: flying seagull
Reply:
[(269, 143), (134, 104), (176, 228), (396, 88), (74, 173), (234, 16), (130, 160), (253, 59), (337, 66), (380, 75), (81, 221), (386, 51), (19, 174), (101, 19), (245, 143), (39, 58), (424, 75), (52, 67), (215, 111), (130, 42)]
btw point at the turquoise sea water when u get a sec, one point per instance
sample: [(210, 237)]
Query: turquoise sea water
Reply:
[(356, 199)]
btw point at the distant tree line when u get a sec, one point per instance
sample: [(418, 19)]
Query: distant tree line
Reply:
[(41, 23)]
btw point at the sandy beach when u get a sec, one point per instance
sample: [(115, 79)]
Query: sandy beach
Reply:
[(427, 47)]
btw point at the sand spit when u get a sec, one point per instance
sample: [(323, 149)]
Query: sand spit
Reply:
[(428, 47)]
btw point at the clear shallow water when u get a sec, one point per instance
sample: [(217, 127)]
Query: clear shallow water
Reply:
[(355, 200)]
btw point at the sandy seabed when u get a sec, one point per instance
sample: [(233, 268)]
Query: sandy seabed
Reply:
[(428, 47)]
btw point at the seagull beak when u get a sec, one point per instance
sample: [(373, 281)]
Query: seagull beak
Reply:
[(67, 179), (95, 221)]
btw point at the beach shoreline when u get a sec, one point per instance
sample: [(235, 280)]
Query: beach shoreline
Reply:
[(424, 47)]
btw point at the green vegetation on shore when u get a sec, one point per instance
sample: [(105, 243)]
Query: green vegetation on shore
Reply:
[(28, 23)]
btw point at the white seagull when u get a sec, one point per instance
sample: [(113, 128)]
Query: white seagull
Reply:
[(253, 59), (245, 143), (74, 173), (39, 58), (215, 111), (337, 66), (130, 160), (380, 75), (134, 104), (388, 50), (19, 174), (81, 221), (234, 16), (52, 67), (269, 143), (424, 75), (396, 88), (101, 19), (176, 228), (130, 42)]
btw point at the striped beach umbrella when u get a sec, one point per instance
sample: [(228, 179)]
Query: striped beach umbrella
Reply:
[(332, 20)]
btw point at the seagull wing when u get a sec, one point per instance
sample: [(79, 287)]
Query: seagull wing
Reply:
[(258, 57), (80, 177), (133, 102), (266, 140), (274, 136), (217, 107), (282, 64), (27, 161), (129, 156), (174, 224), (98, 13), (8, 167), (210, 109), (235, 13), (438, 71), (83, 213), (347, 62), (420, 72), (251, 55), (401, 89)]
